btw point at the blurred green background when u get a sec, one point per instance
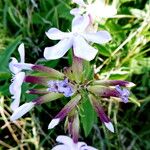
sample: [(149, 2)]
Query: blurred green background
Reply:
[(126, 57)]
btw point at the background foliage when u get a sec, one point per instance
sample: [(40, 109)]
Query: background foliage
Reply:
[(125, 57)]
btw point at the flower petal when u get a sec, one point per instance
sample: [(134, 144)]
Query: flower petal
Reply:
[(12, 68), (15, 89), (65, 140), (17, 82), (81, 144), (109, 126), (82, 49), (61, 147), (23, 66), (21, 52), (80, 23), (56, 34), (84, 146), (53, 123), (99, 37), (20, 111), (58, 50), (90, 148), (15, 104), (123, 93)]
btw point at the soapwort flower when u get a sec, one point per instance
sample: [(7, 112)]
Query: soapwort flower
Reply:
[(74, 82), (18, 77), (96, 10), (78, 39), (68, 144)]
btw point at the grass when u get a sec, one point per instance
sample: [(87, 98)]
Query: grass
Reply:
[(126, 57)]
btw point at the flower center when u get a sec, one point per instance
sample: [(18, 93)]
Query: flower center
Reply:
[(60, 86)]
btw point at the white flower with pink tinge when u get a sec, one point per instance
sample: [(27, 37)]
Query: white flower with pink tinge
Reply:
[(96, 10), (78, 39), (68, 144)]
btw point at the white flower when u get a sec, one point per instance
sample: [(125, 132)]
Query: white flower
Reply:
[(97, 10), (68, 144), (18, 78), (78, 38)]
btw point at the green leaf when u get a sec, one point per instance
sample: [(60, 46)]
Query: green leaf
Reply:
[(88, 116), (103, 50), (5, 57)]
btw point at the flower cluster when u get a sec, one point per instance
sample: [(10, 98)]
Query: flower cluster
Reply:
[(73, 82)]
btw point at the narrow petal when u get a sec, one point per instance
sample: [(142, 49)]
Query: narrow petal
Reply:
[(17, 82), (55, 34), (109, 126), (22, 110), (84, 50), (58, 50), (21, 51), (16, 100), (53, 123), (12, 68), (80, 23), (99, 37), (15, 89), (64, 140), (24, 66)]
